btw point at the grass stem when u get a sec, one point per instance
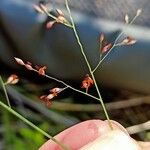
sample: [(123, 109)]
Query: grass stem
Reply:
[(5, 92), (87, 62)]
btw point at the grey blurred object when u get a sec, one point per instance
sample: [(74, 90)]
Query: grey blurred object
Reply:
[(23, 34)]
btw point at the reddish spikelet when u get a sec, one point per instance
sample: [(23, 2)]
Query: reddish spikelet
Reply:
[(51, 96), (46, 99), (128, 41), (43, 97), (87, 82), (60, 19), (55, 91), (106, 48), (50, 24), (41, 70), (28, 65), (12, 79)]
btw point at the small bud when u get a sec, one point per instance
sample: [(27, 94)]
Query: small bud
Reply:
[(87, 82), (41, 70), (53, 93), (61, 19), (46, 99), (106, 48), (13, 79), (85, 85), (139, 11), (128, 41), (102, 37), (43, 97), (29, 67), (55, 90), (50, 24), (50, 96), (19, 61), (126, 18)]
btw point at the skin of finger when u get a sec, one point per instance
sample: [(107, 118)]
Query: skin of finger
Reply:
[(144, 145), (79, 135), (114, 140), (118, 126)]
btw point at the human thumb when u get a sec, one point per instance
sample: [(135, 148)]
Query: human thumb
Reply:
[(113, 140)]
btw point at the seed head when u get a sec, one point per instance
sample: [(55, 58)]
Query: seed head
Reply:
[(87, 82), (12, 79), (60, 19), (106, 48), (56, 90), (41, 70), (50, 24), (46, 99)]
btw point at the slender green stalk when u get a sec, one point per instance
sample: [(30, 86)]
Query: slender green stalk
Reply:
[(68, 86), (77, 37), (100, 49), (102, 59), (5, 92), (32, 125), (115, 44), (87, 62), (8, 108)]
